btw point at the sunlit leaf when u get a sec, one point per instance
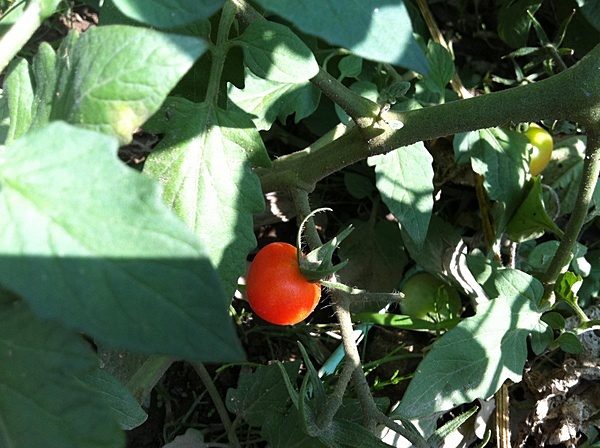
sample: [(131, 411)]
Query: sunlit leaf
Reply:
[(475, 358), (405, 179), (204, 162)]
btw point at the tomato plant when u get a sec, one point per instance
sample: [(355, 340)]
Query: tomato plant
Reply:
[(427, 297), (276, 289), (542, 146), (110, 271)]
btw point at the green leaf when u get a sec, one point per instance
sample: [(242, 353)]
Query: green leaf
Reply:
[(404, 178), (266, 101), (118, 76), (19, 92), (42, 403), (531, 219), (46, 76), (541, 255), (441, 238), (513, 21), (359, 186), (89, 242), (404, 322), (204, 162), (168, 13), (376, 257), (126, 410), (555, 320), (475, 358), (350, 66), (500, 157), (570, 343), (441, 68), (568, 286), (591, 11), (272, 51), (260, 391), (282, 430), (373, 29)]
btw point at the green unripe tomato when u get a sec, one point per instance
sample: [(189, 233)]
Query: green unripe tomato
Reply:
[(542, 143), (427, 297)]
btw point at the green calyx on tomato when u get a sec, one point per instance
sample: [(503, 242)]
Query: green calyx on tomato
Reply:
[(276, 290), (282, 283), (542, 145), (427, 297)]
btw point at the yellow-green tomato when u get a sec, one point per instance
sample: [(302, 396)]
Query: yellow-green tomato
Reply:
[(541, 140), (427, 297)]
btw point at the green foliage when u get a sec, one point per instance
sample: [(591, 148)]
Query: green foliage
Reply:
[(405, 180), (75, 256), (474, 358)]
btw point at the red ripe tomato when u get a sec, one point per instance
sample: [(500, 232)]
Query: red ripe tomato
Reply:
[(276, 289)]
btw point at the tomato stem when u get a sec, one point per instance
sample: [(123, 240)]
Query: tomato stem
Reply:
[(589, 179)]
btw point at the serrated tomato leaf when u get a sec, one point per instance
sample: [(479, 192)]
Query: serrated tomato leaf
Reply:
[(473, 359), (89, 242), (260, 391), (272, 51), (404, 178), (500, 157), (42, 402), (116, 77), (204, 162), (266, 101)]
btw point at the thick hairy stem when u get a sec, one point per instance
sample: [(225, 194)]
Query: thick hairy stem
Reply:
[(589, 178), (302, 204), (573, 94), (219, 53)]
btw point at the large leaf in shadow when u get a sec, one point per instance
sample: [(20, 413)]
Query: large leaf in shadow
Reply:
[(168, 13), (42, 403), (380, 30), (89, 242), (204, 162)]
